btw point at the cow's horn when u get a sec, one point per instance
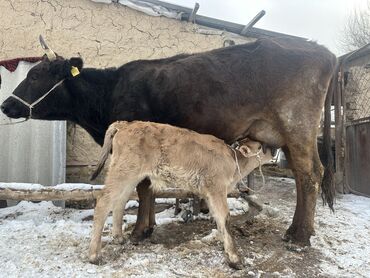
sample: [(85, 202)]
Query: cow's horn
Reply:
[(50, 53)]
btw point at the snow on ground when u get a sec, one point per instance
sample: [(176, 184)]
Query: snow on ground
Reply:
[(41, 240), (36, 186)]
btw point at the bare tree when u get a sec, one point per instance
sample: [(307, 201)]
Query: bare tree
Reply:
[(356, 31)]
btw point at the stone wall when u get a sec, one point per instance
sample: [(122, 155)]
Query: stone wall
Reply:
[(104, 35)]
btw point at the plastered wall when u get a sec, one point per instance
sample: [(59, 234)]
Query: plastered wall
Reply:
[(104, 35)]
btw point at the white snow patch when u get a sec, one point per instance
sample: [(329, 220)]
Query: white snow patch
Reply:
[(63, 186)]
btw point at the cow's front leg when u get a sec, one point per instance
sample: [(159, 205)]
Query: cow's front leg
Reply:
[(148, 232), (308, 172), (142, 228)]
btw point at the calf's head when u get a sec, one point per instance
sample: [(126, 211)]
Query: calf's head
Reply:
[(253, 155), (43, 93)]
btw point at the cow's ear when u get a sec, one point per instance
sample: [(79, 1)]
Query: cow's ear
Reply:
[(76, 62), (75, 66)]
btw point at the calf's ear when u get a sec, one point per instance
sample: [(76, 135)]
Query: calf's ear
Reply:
[(245, 150)]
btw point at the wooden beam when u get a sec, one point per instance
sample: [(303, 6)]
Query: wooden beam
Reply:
[(194, 13), (249, 26), (51, 194), (339, 179)]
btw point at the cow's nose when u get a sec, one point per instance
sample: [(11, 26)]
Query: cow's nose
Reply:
[(3, 109)]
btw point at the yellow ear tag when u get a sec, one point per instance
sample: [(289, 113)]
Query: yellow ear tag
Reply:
[(74, 71)]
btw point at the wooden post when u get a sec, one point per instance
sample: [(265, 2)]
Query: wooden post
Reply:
[(193, 13), (177, 206), (196, 205), (3, 204), (251, 182), (338, 133)]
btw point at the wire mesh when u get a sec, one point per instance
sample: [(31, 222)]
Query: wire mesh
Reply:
[(357, 93)]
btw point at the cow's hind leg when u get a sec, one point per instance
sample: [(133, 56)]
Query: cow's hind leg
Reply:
[(307, 169), (146, 214), (217, 202)]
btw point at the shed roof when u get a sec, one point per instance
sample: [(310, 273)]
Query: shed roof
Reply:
[(162, 8)]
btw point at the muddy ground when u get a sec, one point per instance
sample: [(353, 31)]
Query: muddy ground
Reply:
[(258, 237)]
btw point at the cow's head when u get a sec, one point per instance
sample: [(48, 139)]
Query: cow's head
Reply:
[(44, 77)]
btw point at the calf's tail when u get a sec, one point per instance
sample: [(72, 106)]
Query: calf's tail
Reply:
[(106, 149), (327, 184)]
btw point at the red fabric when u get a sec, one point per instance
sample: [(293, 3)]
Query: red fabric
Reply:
[(11, 65)]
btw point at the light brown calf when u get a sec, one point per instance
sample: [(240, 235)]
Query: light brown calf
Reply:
[(170, 156)]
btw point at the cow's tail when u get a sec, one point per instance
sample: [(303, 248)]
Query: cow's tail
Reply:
[(106, 149), (327, 184)]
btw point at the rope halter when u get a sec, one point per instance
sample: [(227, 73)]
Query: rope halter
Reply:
[(33, 104), (236, 147)]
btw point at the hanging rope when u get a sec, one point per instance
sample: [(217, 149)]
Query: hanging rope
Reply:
[(258, 157)]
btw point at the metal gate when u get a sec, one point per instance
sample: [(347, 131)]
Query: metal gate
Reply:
[(358, 156), (356, 112)]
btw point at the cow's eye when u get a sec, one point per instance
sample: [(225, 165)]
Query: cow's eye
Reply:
[(34, 77)]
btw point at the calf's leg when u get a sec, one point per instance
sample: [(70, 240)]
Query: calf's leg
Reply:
[(118, 209), (115, 194), (217, 202), (102, 208)]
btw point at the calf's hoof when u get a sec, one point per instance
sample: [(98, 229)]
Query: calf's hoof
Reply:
[(234, 262), (118, 240), (237, 266), (94, 258)]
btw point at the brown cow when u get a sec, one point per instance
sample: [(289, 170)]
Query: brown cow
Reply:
[(173, 156)]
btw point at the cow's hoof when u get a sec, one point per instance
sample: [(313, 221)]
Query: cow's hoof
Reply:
[(137, 236), (296, 247), (148, 232), (298, 237)]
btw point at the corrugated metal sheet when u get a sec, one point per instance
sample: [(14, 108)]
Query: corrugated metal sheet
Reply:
[(358, 156), (33, 151)]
